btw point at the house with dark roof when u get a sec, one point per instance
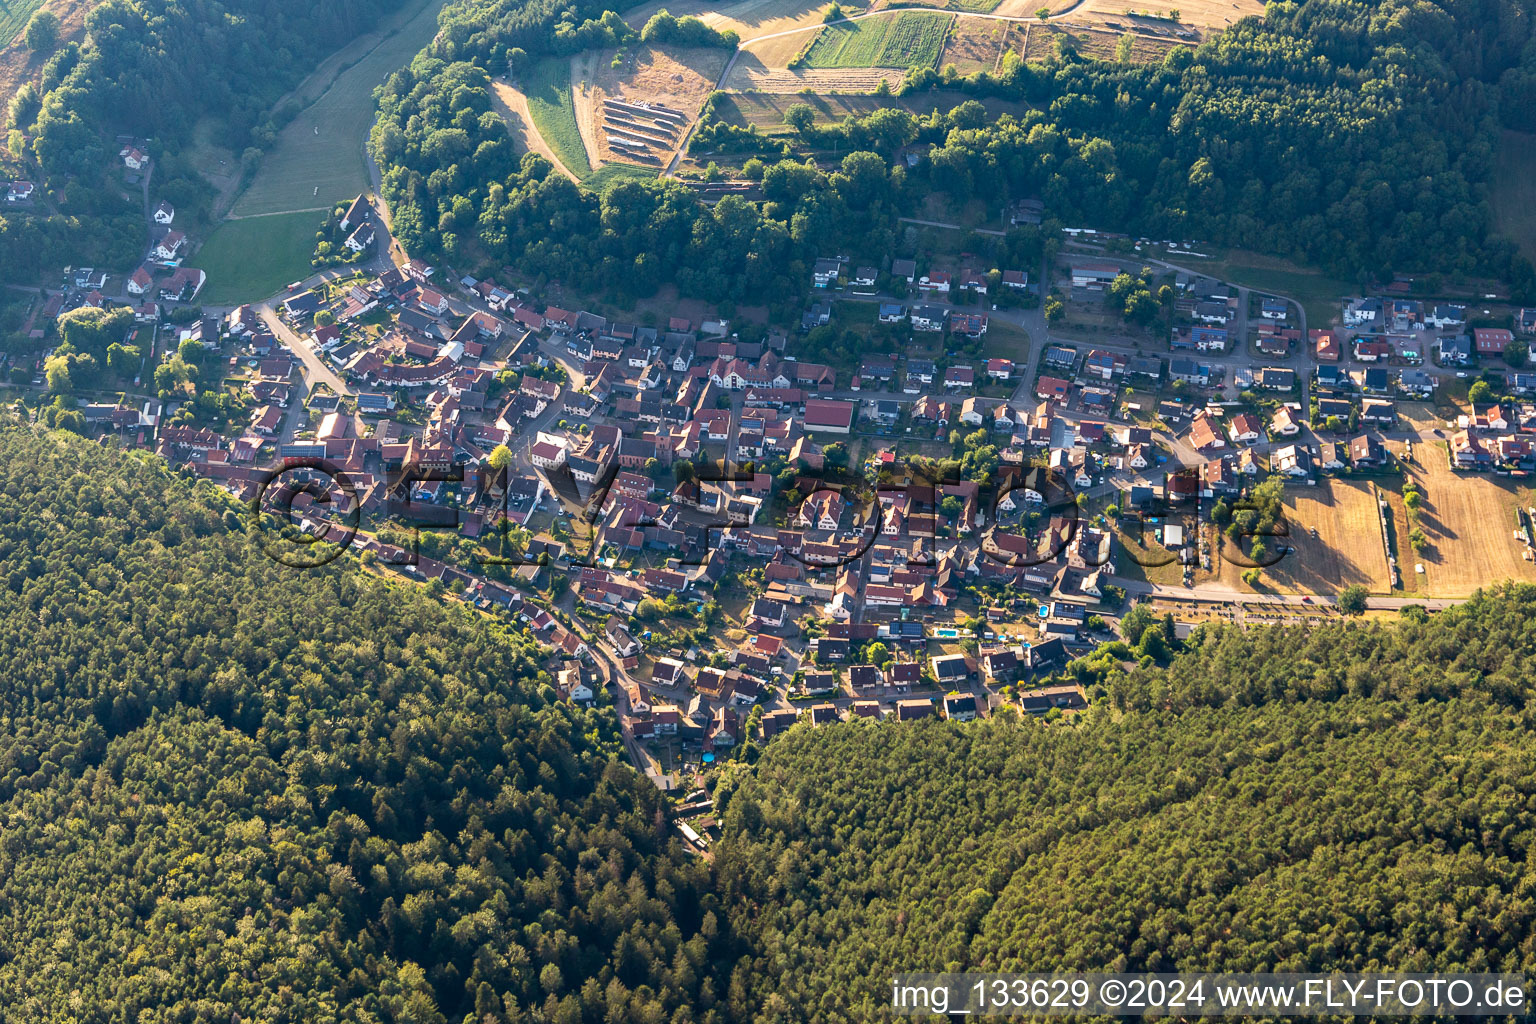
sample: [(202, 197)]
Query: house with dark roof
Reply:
[(950, 668)]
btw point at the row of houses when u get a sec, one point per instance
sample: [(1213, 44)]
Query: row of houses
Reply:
[(827, 272)]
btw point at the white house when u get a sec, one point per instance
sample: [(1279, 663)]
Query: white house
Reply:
[(935, 282), (1362, 311), (1245, 428), (167, 248), (360, 239), (164, 213), (546, 454)]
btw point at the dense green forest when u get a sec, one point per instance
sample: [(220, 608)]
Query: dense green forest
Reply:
[(1354, 135), (229, 790)]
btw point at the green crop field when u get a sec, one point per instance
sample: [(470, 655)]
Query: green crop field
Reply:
[(318, 158), (553, 109), (904, 41), (252, 258), (609, 175)]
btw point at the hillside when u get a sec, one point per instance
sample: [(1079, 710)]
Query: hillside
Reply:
[(227, 787), (1241, 141), (1353, 798), (229, 790)]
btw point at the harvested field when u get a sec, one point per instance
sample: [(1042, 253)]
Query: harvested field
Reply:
[(677, 79), (748, 18), (1040, 43), (1347, 549), (750, 75), (1194, 18), (1026, 8), (766, 110), (902, 40), (975, 44), (1470, 521)]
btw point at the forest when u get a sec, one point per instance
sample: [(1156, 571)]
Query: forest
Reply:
[(1351, 135), (230, 790)]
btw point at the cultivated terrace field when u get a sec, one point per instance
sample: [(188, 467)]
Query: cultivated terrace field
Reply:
[(553, 109), (902, 41), (750, 74)]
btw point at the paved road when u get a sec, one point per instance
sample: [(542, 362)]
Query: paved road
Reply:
[(315, 366)]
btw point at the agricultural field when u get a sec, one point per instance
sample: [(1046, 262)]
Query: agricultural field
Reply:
[(609, 175), (1348, 547), (318, 158), (1194, 18), (766, 110), (1040, 42), (256, 256), (1514, 190), (748, 18), (512, 105), (975, 44), (1018, 8), (903, 40), (749, 74), (14, 15), (672, 77), (552, 108), (1469, 519)]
